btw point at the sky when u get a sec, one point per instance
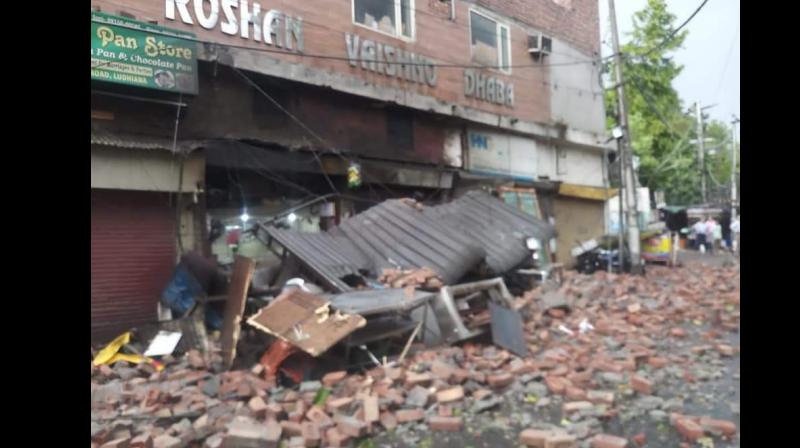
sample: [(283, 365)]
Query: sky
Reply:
[(710, 53)]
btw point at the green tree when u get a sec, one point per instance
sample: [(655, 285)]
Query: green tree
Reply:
[(660, 129)]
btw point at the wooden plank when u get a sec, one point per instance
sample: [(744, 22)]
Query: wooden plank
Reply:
[(584, 192), (305, 321), (243, 269)]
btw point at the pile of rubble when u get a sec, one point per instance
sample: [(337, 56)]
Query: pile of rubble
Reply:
[(635, 360)]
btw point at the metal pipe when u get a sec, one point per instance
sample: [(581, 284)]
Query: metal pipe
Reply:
[(139, 98)]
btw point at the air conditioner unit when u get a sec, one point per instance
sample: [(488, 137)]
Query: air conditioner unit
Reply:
[(539, 44)]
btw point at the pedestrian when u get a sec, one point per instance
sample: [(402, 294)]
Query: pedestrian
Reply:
[(735, 232), (711, 225), (699, 229)]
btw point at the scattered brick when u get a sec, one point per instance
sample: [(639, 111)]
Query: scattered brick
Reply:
[(561, 441), (167, 441), (688, 428), (535, 438), (351, 426), (575, 406), (500, 380), (450, 395), (388, 420), (608, 441), (439, 423), (338, 404), (640, 439), (576, 394), (417, 379), (409, 415), (657, 362), (714, 426), (641, 385), (556, 385), (142, 441), (600, 397)]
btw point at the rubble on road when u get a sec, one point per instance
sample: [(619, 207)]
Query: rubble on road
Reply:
[(632, 365)]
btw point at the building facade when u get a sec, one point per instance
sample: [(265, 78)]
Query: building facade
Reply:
[(258, 105)]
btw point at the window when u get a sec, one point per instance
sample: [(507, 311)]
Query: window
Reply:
[(392, 17), (490, 42)]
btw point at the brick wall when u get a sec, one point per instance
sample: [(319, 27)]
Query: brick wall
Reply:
[(437, 37)]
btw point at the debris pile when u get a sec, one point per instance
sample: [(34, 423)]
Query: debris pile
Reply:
[(651, 344)]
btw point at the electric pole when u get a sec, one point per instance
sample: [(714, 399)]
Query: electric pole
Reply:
[(701, 150), (626, 160), (734, 201)]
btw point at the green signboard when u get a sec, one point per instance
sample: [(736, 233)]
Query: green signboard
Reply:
[(139, 54)]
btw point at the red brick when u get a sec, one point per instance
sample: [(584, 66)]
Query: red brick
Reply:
[(600, 397), (677, 332), (608, 441), (577, 394), (580, 377), (725, 350), (480, 393), (388, 420), (117, 443), (335, 438), (409, 415), (641, 385), (575, 406), (257, 405), (657, 362), (417, 379), (459, 376), (291, 428), (273, 432), (338, 404), (442, 370), (534, 437), (142, 441), (640, 439), (320, 417), (556, 313), (371, 410), (634, 308), (444, 410), (450, 395), (688, 428), (500, 380), (311, 434), (561, 370), (561, 441), (439, 423), (333, 378), (557, 385), (718, 426), (351, 426)]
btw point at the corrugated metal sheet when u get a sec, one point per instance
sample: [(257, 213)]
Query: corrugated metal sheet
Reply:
[(451, 239), (393, 234), (498, 228), (104, 137), (132, 258), (329, 254)]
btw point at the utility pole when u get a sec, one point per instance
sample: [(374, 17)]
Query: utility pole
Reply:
[(625, 156), (701, 150), (734, 197)]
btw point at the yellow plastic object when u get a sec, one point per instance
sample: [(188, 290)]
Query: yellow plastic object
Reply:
[(135, 359), (107, 354)]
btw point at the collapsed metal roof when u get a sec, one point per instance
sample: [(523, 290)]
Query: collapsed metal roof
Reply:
[(451, 239), (500, 229)]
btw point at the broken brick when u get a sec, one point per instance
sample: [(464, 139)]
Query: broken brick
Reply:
[(351, 426), (123, 442), (291, 428), (677, 332), (409, 415), (608, 441), (535, 438), (142, 441), (641, 385), (442, 370), (439, 423), (311, 435), (576, 394), (167, 441), (556, 385), (450, 395), (319, 417), (688, 428), (600, 397), (388, 420), (417, 379), (715, 426), (575, 406), (335, 438), (640, 439), (657, 362), (257, 405), (338, 404), (500, 380), (371, 410), (561, 441)]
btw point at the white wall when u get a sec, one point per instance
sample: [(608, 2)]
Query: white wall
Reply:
[(576, 98)]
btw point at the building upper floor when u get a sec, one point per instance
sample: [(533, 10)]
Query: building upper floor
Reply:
[(524, 65)]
